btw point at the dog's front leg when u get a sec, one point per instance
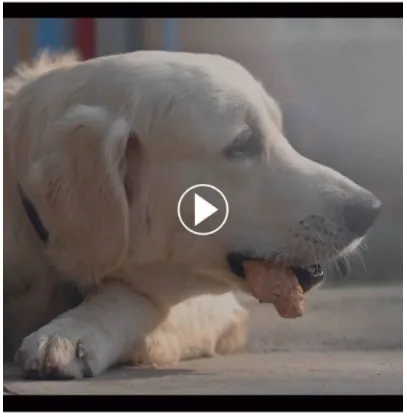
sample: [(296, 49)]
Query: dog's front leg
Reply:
[(85, 341)]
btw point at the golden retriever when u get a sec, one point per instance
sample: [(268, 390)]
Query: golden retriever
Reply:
[(98, 269)]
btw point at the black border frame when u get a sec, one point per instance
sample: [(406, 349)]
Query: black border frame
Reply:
[(253, 9), (200, 403)]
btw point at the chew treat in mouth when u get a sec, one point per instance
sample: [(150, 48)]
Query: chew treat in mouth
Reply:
[(271, 283)]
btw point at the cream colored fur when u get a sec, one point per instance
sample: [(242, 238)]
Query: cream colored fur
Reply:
[(104, 149)]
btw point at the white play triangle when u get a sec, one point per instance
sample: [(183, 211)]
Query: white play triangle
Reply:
[(203, 209)]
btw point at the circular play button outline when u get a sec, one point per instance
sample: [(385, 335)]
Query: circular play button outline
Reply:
[(193, 188)]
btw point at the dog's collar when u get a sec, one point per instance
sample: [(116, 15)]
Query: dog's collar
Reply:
[(33, 216)]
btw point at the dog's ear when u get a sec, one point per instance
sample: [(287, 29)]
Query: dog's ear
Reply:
[(83, 182)]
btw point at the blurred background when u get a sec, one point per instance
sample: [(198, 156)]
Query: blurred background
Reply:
[(339, 83)]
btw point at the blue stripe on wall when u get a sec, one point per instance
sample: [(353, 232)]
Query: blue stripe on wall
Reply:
[(171, 34), (50, 34)]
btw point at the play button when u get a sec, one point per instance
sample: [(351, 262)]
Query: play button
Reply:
[(203, 209)]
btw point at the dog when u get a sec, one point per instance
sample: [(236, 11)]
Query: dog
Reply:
[(98, 270)]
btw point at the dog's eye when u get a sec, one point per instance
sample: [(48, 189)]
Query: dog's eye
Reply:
[(246, 145)]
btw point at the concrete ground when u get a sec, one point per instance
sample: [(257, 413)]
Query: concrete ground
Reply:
[(349, 342)]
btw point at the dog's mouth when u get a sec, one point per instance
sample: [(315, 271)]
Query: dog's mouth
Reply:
[(307, 277)]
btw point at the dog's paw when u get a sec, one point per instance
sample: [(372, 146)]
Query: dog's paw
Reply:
[(46, 355)]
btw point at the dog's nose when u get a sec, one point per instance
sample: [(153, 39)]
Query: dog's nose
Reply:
[(359, 214)]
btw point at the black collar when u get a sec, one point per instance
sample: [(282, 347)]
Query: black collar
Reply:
[(33, 216)]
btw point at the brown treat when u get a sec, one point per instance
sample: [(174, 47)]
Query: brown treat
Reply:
[(274, 284)]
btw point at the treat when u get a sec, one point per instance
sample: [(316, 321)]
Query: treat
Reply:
[(275, 284)]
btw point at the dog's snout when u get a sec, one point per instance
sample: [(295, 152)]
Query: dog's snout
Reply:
[(359, 214)]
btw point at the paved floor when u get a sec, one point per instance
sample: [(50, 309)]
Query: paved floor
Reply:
[(349, 342)]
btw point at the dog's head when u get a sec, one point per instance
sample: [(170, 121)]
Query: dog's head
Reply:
[(107, 186)]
